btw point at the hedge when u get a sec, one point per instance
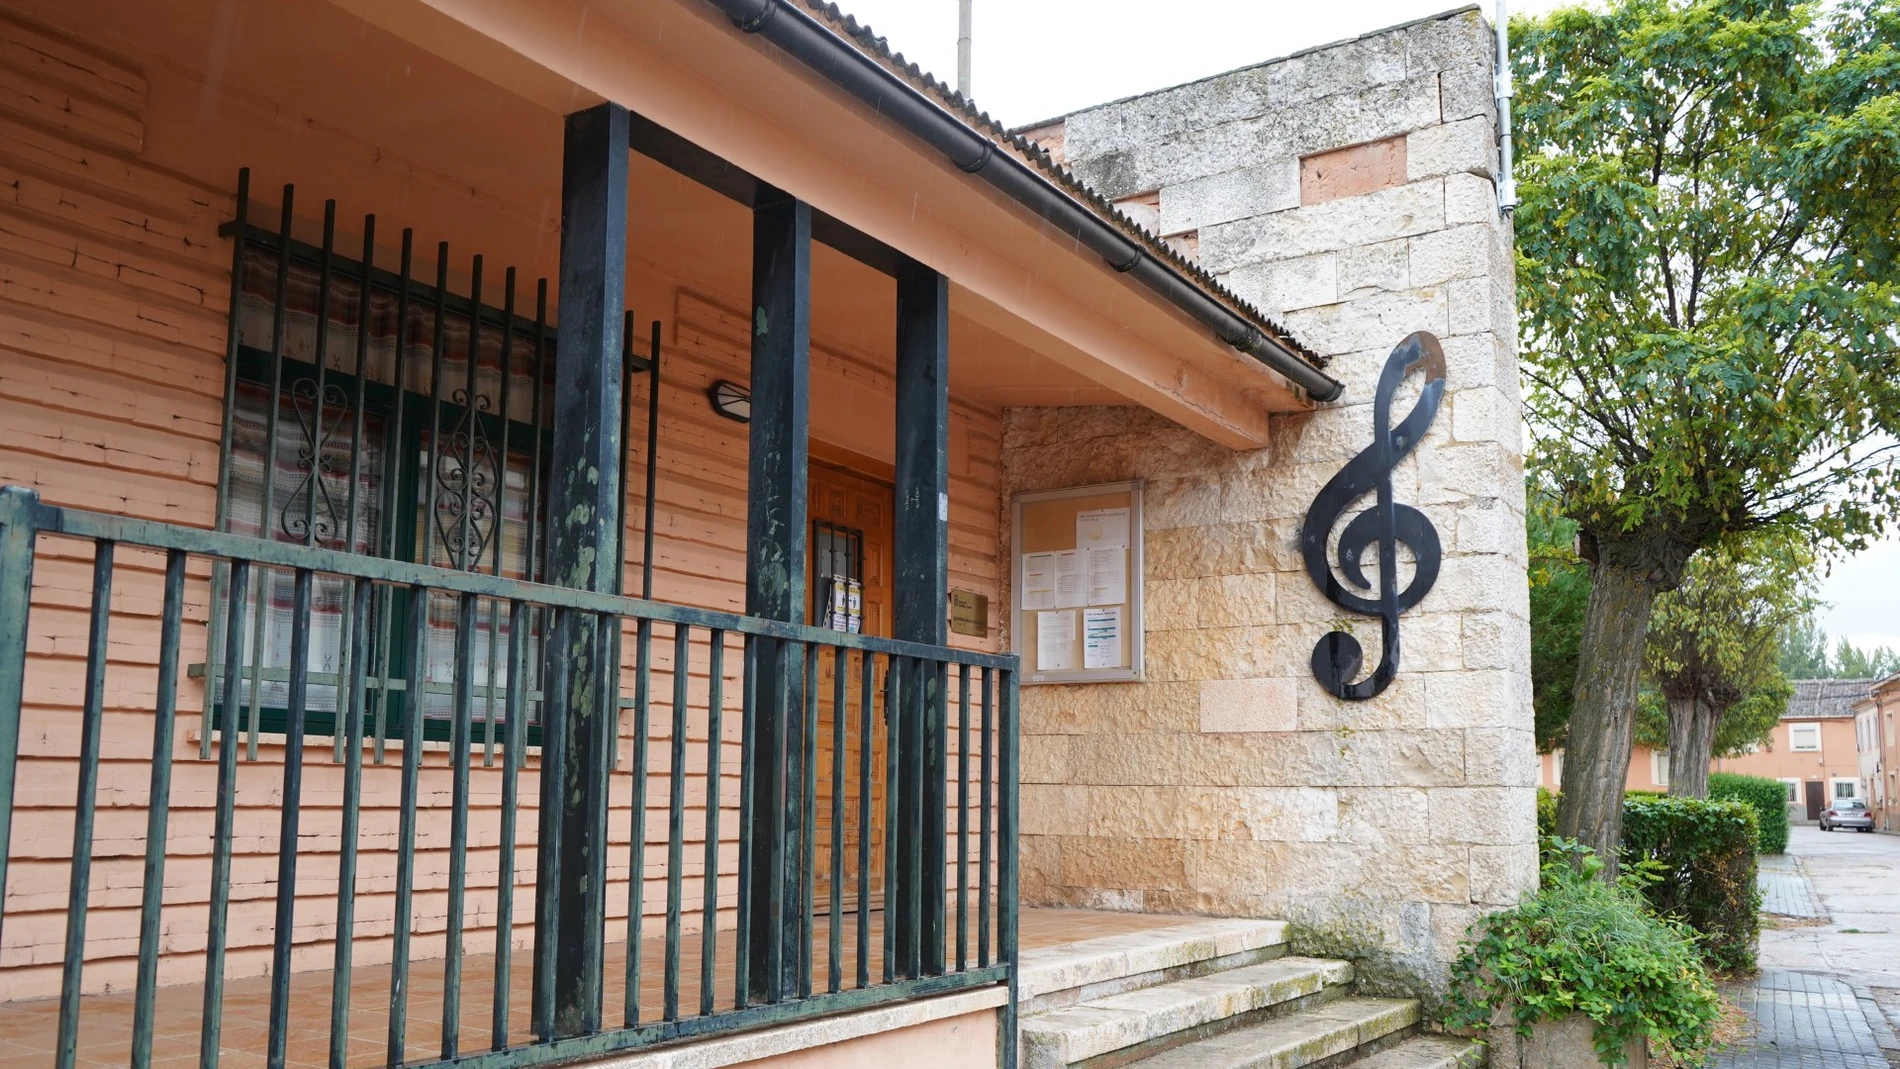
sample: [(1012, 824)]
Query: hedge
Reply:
[(1768, 797), (1702, 855)]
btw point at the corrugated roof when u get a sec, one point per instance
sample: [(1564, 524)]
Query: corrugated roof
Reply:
[(1821, 699), (878, 50)]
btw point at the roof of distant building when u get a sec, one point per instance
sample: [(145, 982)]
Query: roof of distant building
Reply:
[(1818, 699), (878, 50)]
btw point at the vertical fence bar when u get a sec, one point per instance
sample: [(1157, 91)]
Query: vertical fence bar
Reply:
[(547, 904), (501, 507), (461, 736), (748, 738), (326, 262), (777, 650), (290, 813), (19, 531), (350, 623), (537, 568), (515, 736), (471, 413), (220, 580), (840, 677), (808, 803), (210, 1028), (983, 824), (439, 340), (350, 704), (676, 816), (637, 837), (1010, 863), (894, 671), (963, 817), (395, 461), (158, 811), (867, 691), (709, 906), (264, 577), (406, 824), (84, 807), (918, 693)]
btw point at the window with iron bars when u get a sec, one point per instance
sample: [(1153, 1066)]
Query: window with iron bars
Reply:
[(360, 423)]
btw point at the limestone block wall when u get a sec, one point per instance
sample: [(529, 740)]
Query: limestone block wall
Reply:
[(1348, 192)]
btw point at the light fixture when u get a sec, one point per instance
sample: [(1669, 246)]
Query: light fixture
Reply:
[(731, 400)]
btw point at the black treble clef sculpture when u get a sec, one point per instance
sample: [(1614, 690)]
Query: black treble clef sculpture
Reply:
[(1337, 658)]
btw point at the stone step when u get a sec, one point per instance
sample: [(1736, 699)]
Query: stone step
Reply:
[(1317, 1034), (1427, 1052), (1140, 1022), (1057, 976)]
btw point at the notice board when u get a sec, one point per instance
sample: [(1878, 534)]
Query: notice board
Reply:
[(1075, 556)]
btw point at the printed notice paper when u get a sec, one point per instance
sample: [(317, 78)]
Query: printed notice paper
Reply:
[(1072, 581), (1095, 528), (1102, 638), (1055, 641), (1039, 581), (1108, 576)]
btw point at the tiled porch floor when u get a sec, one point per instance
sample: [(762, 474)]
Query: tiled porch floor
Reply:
[(29, 1030)]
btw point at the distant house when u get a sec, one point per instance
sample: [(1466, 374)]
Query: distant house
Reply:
[(1814, 749), (1878, 738)]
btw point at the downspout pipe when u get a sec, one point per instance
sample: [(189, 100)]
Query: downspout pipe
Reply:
[(1507, 184), (810, 42)]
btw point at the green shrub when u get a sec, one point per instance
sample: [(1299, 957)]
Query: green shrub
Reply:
[(1546, 814), (1769, 799), (1580, 945), (1703, 853)]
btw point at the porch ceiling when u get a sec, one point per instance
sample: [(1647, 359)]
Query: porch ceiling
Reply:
[(1033, 322)]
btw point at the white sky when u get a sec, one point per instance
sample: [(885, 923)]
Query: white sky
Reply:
[(1037, 59)]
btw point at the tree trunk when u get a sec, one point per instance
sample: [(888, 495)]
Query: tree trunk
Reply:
[(1691, 746), (1603, 717)]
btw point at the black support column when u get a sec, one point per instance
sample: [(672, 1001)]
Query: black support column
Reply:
[(919, 606), (775, 584), (583, 548)]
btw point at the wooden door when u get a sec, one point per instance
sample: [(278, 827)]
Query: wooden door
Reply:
[(851, 521), (1816, 800)]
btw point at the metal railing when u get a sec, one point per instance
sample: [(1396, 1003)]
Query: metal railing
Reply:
[(897, 686)]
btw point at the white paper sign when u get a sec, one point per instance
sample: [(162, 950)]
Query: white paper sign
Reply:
[(1055, 641), (1102, 638), (1072, 580), (1101, 527), (1108, 575), (1039, 581)]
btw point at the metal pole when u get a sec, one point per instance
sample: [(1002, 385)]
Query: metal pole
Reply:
[(963, 48), (1507, 184)]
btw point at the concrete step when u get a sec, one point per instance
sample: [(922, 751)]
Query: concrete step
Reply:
[(1058, 976), (1137, 1023), (1328, 1034)]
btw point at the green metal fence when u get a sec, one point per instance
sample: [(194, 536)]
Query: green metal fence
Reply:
[(970, 912)]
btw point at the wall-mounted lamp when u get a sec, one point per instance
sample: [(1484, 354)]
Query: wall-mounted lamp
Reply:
[(731, 400)]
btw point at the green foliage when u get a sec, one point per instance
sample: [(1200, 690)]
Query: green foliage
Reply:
[(1804, 650), (1709, 269), (1583, 946), (1560, 590), (1804, 655), (1852, 662), (1546, 814), (1767, 797), (1704, 853)]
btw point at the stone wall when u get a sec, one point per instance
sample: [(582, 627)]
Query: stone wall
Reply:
[(1229, 782)]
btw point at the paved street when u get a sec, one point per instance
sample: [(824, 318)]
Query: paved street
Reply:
[(1831, 964)]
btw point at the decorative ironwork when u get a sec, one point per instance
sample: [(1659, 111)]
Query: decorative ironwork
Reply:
[(314, 460), (1338, 657), (468, 480)]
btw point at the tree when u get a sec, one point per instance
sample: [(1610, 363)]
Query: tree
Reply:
[(1708, 266), (1852, 662), (1560, 588), (1804, 650), (1712, 649)]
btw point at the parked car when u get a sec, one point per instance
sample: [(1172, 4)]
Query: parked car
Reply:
[(1847, 813)]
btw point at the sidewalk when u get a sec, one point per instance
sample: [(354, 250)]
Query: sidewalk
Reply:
[(1785, 890), (1804, 1021)]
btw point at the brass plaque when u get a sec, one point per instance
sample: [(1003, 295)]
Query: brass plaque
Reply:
[(969, 613)]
